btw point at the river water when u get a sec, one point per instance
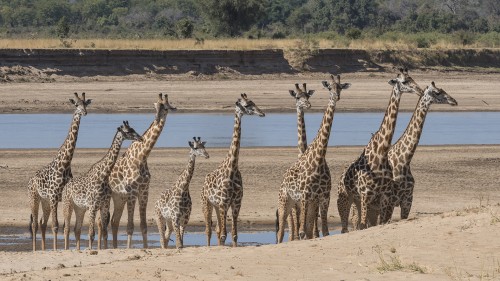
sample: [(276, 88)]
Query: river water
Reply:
[(278, 129)]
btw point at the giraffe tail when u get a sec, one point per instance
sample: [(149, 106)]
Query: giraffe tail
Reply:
[(277, 225)]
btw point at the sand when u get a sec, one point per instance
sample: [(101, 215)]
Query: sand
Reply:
[(452, 233)]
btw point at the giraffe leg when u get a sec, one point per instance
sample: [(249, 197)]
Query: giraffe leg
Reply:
[(143, 203), (160, 222), (79, 214), (302, 221), (221, 224), (130, 221), (405, 204), (315, 230), (119, 205), (293, 227), (168, 232), (67, 212), (182, 228), (35, 204), (55, 222), (344, 202), (207, 212), (325, 204), (235, 208), (102, 226), (178, 238), (311, 217), (386, 209), (364, 211), (283, 212), (44, 221), (92, 215)]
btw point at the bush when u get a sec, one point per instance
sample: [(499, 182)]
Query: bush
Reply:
[(185, 28), (353, 33)]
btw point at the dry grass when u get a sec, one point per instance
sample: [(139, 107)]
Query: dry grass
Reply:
[(216, 44)]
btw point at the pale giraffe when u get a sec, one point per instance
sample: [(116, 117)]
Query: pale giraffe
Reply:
[(307, 179), (173, 209), (302, 103), (401, 153), (368, 180), (90, 192), (223, 188), (130, 177), (47, 185)]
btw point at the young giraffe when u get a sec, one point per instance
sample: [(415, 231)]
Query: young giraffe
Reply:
[(368, 180), (401, 153), (130, 177), (223, 188), (307, 179), (174, 206), (301, 103), (89, 192), (46, 186)]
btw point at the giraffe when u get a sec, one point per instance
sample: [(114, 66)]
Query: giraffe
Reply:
[(47, 185), (401, 153), (304, 182), (301, 103), (89, 192), (223, 188), (173, 208), (368, 180), (130, 177)]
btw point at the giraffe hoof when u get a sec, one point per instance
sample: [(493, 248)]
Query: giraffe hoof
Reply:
[(223, 239), (302, 235)]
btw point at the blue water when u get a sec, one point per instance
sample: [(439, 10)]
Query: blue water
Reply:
[(278, 129)]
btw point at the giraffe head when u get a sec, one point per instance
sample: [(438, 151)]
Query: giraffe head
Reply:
[(436, 95), (405, 83), (162, 106), (128, 132), (248, 107), (301, 97), (335, 87), (80, 104), (198, 147)]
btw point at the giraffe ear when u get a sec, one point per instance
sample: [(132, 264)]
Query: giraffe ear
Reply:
[(203, 143), (310, 93), (72, 101), (191, 144), (326, 85), (292, 93), (345, 86), (392, 82), (87, 102)]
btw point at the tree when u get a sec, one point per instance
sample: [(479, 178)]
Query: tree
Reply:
[(62, 29), (231, 17)]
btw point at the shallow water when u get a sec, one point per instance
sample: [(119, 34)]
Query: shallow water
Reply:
[(278, 129)]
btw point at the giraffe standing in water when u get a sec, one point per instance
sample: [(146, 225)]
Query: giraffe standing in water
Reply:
[(130, 177), (223, 188), (368, 180), (47, 185), (305, 182), (173, 209), (90, 192)]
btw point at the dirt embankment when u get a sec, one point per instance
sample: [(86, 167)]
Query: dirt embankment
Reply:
[(42, 64)]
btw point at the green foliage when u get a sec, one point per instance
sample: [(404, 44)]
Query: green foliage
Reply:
[(184, 28), (62, 29), (467, 20)]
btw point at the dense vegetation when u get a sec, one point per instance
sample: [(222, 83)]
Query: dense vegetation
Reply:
[(465, 20)]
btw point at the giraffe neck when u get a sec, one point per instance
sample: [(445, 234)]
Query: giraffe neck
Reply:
[(408, 142), (185, 178), (301, 128), (381, 141), (234, 149), (320, 143), (65, 153), (105, 165), (140, 149)]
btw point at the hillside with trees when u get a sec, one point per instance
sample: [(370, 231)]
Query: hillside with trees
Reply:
[(464, 20)]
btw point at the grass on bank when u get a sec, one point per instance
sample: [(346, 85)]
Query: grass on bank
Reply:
[(386, 41)]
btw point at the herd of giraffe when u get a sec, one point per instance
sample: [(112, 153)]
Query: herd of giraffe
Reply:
[(371, 187)]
